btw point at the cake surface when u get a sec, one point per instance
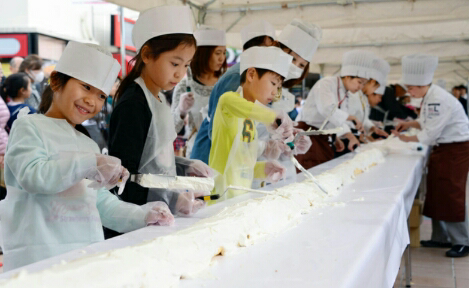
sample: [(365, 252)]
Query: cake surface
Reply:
[(163, 261)]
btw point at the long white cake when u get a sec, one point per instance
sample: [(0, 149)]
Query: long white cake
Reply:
[(164, 261)]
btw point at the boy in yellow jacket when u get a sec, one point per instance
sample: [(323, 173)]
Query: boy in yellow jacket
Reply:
[(234, 137)]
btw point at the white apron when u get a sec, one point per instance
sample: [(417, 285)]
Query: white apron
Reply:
[(158, 152), (239, 169)]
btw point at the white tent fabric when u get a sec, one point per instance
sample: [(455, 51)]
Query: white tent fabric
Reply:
[(391, 29)]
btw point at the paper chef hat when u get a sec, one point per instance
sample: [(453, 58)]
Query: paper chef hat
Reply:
[(256, 29), (89, 63), (418, 69), (162, 20), (357, 63), (301, 37), (380, 70), (208, 36), (270, 58)]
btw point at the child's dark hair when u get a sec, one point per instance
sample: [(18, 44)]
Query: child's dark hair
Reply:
[(374, 82), (13, 84), (260, 72), (157, 45), (46, 100), (32, 62), (201, 60), (57, 79), (292, 82), (256, 41)]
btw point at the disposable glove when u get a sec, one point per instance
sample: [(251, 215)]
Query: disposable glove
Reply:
[(274, 171), (302, 144), (158, 214), (107, 173), (187, 205), (186, 102), (199, 169), (285, 130), (274, 148)]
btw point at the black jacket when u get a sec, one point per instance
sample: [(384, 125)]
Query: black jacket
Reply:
[(390, 103), (128, 129), (463, 103)]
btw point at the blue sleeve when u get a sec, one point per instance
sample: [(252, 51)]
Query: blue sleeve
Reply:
[(230, 83)]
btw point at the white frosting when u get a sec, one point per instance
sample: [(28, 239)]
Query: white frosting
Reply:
[(177, 182), (393, 145), (330, 131), (162, 262)]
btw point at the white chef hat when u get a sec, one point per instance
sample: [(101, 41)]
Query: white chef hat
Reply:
[(162, 20), (301, 37), (380, 70), (256, 29), (208, 36), (381, 89), (270, 58), (418, 69), (357, 63), (89, 63)]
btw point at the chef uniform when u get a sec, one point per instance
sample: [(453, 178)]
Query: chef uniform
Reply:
[(358, 102), (445, 126), (328, 97)]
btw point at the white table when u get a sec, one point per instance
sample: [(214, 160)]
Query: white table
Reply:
[(357, 245)]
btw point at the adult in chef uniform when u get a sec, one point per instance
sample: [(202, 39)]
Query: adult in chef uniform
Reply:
[(328, 100), (359, 104), (444, 125)]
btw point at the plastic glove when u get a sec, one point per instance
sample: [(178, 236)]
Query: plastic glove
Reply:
[(199, 169), (274, 148), (274, 171), (108, 172), (159, 214), (187, 205), (302, 144), (285, 130), (186, 102)]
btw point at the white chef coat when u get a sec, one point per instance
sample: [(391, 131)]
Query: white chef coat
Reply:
[(326, 94), (359, 107), (442, 118)]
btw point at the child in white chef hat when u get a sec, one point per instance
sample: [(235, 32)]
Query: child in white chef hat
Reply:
[(51, 206), (234, 138)]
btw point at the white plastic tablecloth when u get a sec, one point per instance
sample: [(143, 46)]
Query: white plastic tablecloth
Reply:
[(359, 244)]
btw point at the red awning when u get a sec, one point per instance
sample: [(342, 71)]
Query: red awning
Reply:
[(127, 60)]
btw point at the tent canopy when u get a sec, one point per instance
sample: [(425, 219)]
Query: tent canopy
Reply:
[(391, 29)]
